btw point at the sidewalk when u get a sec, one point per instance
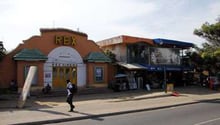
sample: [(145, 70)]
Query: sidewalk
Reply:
[(55, 109)]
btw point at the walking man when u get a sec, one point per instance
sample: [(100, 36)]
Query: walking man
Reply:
[(69, 99)]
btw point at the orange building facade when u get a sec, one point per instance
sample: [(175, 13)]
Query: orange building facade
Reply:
[(59, 54)]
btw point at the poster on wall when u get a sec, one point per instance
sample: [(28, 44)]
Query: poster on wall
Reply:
[(164, 56), (48, 78), (99, 74)]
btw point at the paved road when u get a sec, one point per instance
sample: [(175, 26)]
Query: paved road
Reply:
[(205, 113)]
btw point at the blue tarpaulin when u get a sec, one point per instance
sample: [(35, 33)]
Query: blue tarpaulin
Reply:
[(167, 68), (176, 43)]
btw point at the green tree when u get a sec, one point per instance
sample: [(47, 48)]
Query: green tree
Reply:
[(2, 50), (111, 55), (210, 32), (210, 51)]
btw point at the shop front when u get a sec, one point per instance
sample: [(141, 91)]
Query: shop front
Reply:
[(144, 61)]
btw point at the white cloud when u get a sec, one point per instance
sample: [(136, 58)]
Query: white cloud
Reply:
[(215, 9), (101, 19)]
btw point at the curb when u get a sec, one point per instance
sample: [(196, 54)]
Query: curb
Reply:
[(106, 114), (115, 113)]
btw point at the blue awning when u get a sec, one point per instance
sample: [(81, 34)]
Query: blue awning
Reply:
[(175, 43), (160, 68)]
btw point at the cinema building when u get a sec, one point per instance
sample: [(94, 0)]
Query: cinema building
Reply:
[(59, 54)]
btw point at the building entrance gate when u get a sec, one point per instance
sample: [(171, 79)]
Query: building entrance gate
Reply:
[(62, 73), (64, 63)]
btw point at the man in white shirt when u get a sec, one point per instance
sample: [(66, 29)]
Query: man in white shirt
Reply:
[(69, 99)]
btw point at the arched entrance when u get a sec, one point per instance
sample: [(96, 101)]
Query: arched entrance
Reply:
[(63, 63)]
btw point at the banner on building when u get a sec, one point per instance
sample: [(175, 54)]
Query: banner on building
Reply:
[(164, 56)]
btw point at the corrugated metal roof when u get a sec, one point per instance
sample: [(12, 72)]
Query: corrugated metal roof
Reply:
[(30, 55), (97, 57)]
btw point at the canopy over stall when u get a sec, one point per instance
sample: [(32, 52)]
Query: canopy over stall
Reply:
[(173, 43)]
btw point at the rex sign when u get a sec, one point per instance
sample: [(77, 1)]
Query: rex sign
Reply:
[(65, 40)]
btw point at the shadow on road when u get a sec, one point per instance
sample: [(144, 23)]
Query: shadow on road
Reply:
[(91, 116), (51, 112)]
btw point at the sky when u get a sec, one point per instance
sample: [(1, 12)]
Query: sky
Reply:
[(103, 19)]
